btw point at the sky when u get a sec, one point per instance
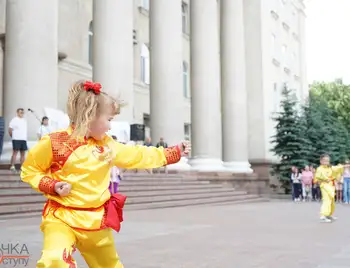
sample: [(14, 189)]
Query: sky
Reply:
[(328, 40)]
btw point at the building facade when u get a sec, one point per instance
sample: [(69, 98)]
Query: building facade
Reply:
[(211, 70)]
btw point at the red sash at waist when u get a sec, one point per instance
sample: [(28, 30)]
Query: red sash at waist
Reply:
[(114, 211), (113, 215)]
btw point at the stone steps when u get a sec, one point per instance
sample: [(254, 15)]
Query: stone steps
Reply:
[(130, 192), (133, 197), (197, 202), (5, 184), (33, 209), (32, 199), (138, 178), (24, 207), (26, 189), (144, 191), (38, 208)]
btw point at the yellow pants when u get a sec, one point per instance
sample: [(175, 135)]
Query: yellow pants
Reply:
[(328, 204), (97, 247)]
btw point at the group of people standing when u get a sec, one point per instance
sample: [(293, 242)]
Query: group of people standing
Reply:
[(326, 183), (18, 133), (305, 188)]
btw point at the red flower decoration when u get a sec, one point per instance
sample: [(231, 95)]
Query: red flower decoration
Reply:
[(94, 87)]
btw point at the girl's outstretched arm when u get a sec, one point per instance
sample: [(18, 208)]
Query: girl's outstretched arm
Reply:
[(144, 157)]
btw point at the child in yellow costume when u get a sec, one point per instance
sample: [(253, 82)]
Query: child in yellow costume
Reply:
[(72, 169), (326, 176)]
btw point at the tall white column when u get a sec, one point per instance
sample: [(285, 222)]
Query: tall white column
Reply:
[(166, 93), (113, 51), (302, 53), (30, 59), (205, 86), (2, 46), (234, 92)]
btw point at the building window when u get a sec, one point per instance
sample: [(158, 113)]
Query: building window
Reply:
[(145, 67), (274, 15), (273, 41), (185, 19), (284, 49), (91, 34), (275, 98), (144, 4), (285, 26), (147, 123), (186, 91), (187, 132)]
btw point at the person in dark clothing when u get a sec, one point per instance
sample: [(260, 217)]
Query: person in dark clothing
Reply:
[(148, 142), (162, 143)]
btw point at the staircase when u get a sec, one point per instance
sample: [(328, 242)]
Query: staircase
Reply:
[(144, 191)]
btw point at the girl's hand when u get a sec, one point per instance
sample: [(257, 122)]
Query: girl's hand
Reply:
[(63, 188), (185, 148)]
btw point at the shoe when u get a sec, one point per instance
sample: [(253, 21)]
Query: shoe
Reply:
[(332, 218), (13, 169), (324, 219)]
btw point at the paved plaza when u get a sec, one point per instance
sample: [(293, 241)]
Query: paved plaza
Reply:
[(261, 235)]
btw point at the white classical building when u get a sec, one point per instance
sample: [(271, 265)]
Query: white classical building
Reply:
[(209, 69)]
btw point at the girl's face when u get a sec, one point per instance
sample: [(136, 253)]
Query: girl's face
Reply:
[(46, 122), (325, 161), (100, 126), (307, 168)]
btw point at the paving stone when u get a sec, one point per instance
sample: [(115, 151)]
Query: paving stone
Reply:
[(259, 235)]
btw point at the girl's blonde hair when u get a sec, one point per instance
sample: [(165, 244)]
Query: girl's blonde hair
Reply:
[(84, 106)]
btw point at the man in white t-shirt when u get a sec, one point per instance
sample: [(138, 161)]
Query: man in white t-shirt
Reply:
[(18, 133)]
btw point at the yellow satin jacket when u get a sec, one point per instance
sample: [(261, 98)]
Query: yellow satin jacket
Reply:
[(85, 164), (325, 173)]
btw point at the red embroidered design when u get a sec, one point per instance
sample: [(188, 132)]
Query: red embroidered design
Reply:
[(94, 87), (67, 258), (47, 185), (62, 147), (172, 155), (100, 149)]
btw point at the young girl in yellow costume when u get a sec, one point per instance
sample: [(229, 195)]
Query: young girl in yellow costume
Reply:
[(326, 175), (72, 167)]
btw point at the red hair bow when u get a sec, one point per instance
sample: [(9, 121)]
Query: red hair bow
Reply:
[(94, 87)]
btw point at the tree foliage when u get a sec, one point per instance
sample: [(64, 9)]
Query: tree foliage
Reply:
[(337, 96), (289, 143), (320, 128)]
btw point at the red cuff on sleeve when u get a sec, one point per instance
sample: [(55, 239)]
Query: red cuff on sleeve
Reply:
[(172, 155), (47, 185)]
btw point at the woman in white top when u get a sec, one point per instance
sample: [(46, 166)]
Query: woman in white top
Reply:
[(44, 129), (296, 180)]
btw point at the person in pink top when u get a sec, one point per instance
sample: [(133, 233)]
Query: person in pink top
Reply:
[(306, 180)]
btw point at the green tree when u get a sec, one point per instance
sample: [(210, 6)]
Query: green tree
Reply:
[(325, 131), (290, 144), (337, 96)]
